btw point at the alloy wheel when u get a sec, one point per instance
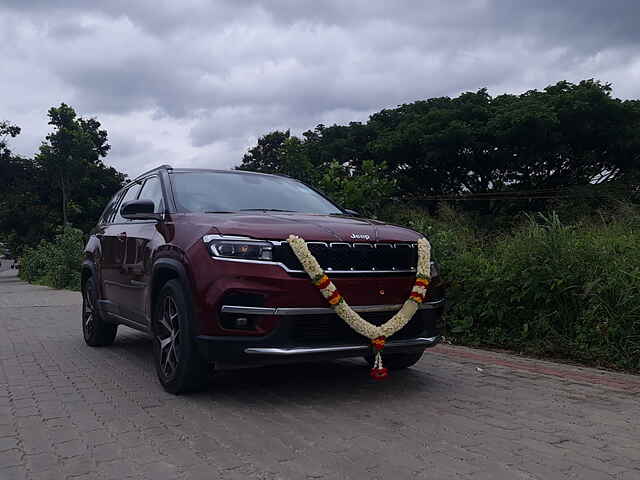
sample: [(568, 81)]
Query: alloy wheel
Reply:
[(168, 337), (88, 313)]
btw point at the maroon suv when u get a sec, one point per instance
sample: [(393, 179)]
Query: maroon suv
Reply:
[(198, 259)]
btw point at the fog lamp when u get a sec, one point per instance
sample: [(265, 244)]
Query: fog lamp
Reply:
[(241, 322)]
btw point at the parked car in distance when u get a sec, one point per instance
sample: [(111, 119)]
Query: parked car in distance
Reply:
[(198, 259)]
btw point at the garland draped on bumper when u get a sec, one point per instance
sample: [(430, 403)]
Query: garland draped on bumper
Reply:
[(377, 334)]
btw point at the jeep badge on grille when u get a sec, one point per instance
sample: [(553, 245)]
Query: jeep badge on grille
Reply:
[(360, 236)]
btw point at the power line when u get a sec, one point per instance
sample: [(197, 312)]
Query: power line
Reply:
[(546, 193)]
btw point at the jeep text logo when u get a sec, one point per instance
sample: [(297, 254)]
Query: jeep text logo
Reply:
[(360, 236)]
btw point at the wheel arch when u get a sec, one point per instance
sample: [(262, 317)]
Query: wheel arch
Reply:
[(88, 269), (166, 269)]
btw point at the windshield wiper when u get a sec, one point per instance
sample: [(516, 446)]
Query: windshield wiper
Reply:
[(264, 210)]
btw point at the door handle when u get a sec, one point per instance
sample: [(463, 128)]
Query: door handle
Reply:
[(122, 238)]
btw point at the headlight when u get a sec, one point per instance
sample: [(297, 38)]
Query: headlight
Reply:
[(239, 248)]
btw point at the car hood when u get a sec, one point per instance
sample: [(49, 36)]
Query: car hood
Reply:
[(322, 228)]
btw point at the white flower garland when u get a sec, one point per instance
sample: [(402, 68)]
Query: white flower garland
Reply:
[(377, 334)]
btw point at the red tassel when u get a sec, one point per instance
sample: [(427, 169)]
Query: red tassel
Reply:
[(379, 373)]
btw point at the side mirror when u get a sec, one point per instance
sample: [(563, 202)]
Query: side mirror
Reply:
[(139, 210), (353, 213)]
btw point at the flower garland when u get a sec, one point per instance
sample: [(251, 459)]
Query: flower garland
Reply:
[(377, 334)]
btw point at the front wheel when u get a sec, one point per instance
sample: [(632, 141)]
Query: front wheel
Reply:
[(179, 365), (397, 361), (97, 332)]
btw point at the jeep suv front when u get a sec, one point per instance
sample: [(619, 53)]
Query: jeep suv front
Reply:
[(209, 274)]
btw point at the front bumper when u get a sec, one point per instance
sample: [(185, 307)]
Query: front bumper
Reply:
[(295, 311), (299, 336), (390, 346)]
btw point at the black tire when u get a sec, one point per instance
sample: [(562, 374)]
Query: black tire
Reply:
[(179, 365), (397, 361), (97, 332)]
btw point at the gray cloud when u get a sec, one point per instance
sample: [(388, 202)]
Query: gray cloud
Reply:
[(196, 82)]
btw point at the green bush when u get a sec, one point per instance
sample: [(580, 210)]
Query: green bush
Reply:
[(55, 264), (546, 288), (367, 192)]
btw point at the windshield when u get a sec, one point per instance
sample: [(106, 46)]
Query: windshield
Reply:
[(236, 192)]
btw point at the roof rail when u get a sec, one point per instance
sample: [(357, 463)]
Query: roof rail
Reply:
[(161, 167)]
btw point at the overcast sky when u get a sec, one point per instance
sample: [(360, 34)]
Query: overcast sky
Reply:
[(195, 83)]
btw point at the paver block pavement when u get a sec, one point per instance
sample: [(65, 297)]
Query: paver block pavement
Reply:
[(71, 411)]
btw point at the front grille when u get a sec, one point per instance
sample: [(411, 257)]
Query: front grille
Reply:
[(331, 328), (345, 257)]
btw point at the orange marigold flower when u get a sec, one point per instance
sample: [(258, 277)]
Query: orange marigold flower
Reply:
[(416, 297), (323, 282), (421, 282), (334, 298), (378, 343)]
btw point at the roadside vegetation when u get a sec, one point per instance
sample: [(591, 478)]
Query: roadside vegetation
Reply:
[(544, 286), (65, 184), (50, 202), (530, 202), (55, 263)]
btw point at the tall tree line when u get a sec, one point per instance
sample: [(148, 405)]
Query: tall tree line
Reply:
[(565, 135), (66, 183)]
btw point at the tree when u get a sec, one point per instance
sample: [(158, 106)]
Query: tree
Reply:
[(436, 146), (22, 209), (72, 155), (68, 168), (566, 135), (266, 156), (7, 131), (366, 192), (281, 153)]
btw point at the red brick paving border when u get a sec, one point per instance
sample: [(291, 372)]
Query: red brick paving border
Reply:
[(624, 382)]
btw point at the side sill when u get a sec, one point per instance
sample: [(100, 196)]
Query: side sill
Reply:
[(115, 318)]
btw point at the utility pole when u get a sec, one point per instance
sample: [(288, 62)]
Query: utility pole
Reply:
[(63, 187)]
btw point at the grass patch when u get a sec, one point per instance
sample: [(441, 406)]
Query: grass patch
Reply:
[(543, 287)]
